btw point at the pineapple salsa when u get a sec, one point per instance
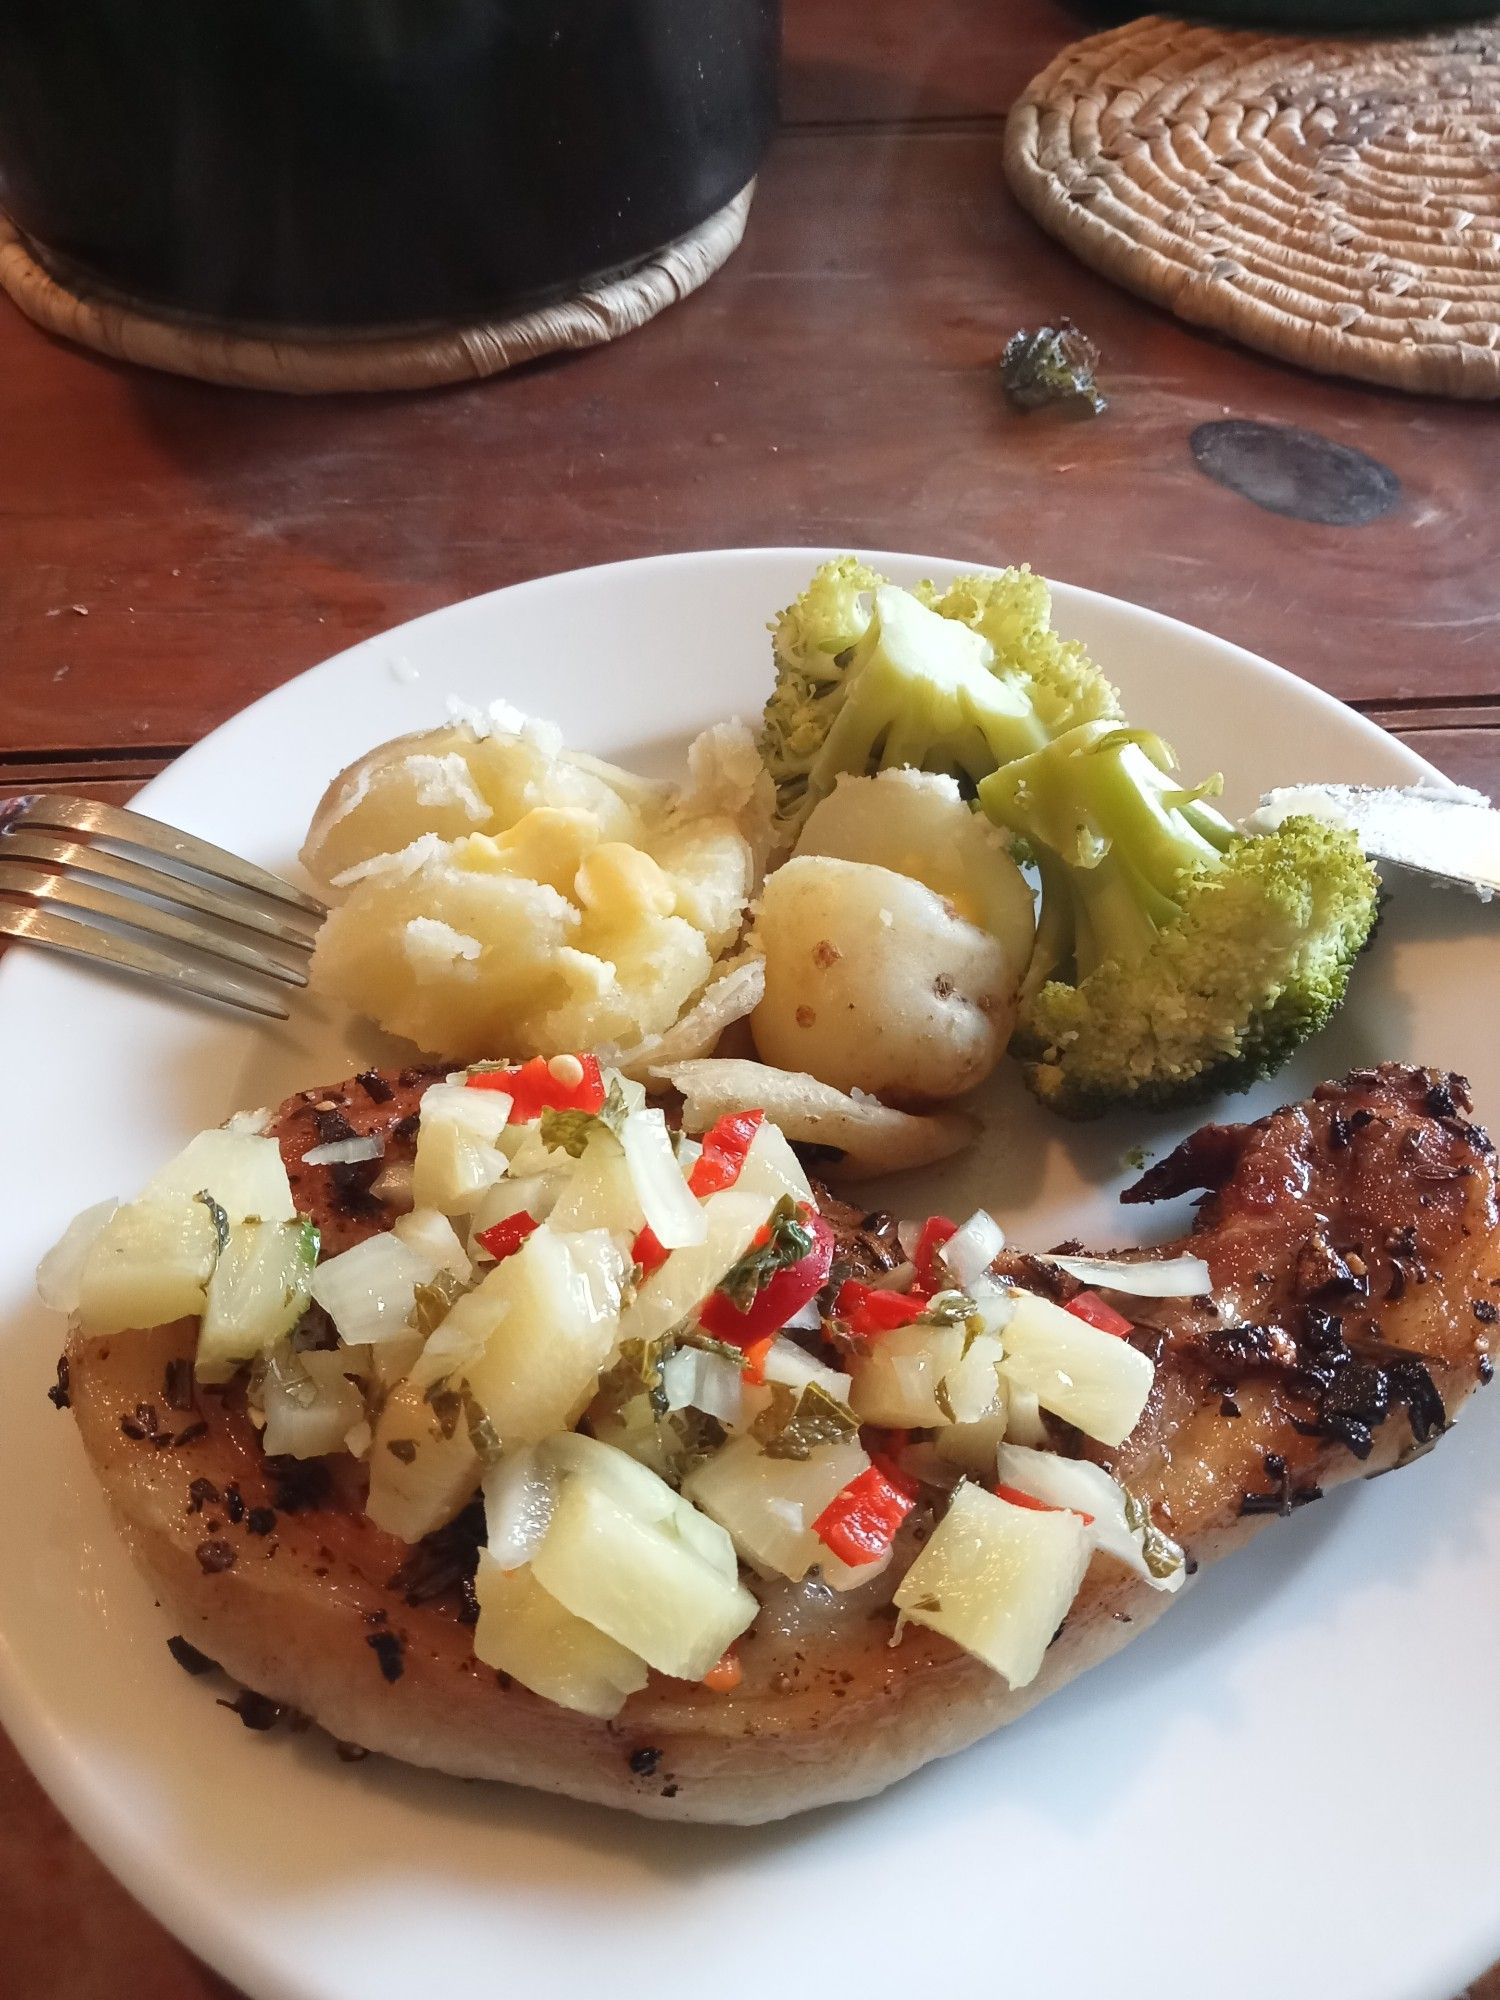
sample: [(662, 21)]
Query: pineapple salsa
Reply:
[(642, 1348)]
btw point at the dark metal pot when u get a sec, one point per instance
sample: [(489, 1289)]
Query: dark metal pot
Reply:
[(374, 162)]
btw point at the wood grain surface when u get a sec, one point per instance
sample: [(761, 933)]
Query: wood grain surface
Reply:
[(168, 551)]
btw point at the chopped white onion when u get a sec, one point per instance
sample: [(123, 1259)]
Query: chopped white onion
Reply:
[(1088, 1489), (970, 1252), (255, 1123), (60, 1271), (434, 1239), (900, 1278), (994, 1303), (806, 1319), (535, 1195), (671, 1209), (368, 1292), (907, 1234), (311, 1407), (346, 1152), (795, 1368), (1143, 1277), (712, 1383), (520, 1491), (393, 1184)]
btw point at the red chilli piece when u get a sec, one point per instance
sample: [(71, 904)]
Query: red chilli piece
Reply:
[(859, 1524), (783, 1295), (647, 1252), (546, 1083), (936, 1231), (1094, 1311), (1019, 1499), (869, 1312), (503, 1238), (718, 1166), (755, 1359), (725, 1144)]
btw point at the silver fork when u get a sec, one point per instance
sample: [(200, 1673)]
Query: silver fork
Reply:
[(77, 876)]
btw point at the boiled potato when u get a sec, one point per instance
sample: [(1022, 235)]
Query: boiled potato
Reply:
[(456, 780), (874, 982), (587, 909), (916, 823), (461, 956)]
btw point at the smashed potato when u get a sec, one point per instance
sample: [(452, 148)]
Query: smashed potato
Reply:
[(499, 894)]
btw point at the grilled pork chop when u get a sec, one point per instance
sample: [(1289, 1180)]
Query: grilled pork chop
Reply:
[(1353, 1246)]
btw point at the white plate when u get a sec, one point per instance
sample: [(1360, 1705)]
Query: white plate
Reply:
[(1291, 1785)]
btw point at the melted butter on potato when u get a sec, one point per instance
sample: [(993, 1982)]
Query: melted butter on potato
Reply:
[(499, 893), (895, 941)]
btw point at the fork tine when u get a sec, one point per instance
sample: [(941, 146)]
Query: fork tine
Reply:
[(82, 940), (52, 886), (72, 815), (24, 845)]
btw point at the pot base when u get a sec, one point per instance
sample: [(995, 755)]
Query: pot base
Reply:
[(305, 361)]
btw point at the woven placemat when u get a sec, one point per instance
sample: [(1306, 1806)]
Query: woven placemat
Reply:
[(1333, 201), (313, 363)]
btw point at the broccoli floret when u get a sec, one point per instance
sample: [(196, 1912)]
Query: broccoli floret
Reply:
[(1201, 958), (812, 642), (1013, 610), (869, 676)]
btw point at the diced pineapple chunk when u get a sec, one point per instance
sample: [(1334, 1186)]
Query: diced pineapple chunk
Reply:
[(919, 1375), (242, 1171), (1095, 1380), (458, 1155), (997, 1579), (973, 1447), (547, 1319), (419, 1478), (150, 1263), (768, 1505), (640, 1582), (642, 1492), (310, 1400), (258, 1292), (524, 1632), (687, 1277)]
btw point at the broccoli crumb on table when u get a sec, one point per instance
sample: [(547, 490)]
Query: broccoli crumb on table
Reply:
[(175, 551)]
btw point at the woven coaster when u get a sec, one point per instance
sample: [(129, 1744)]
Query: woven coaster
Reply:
[(1335, 202), (312, 363)]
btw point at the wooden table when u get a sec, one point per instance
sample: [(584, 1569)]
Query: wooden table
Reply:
[(167, 551)]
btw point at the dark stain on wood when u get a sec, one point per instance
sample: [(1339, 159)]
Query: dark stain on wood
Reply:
[(1296, 472)]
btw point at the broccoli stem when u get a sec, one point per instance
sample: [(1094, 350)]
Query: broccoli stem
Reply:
[(1126, 798), (1114, 836)]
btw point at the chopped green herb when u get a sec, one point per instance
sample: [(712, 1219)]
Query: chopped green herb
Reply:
[(217, 1216), (949, 1309), (1052, 364), (1163, 1557), (482, 1433), (788, 1241), (793, 1425), (694, 1336), (310, 1241), (571, 1131), (432, 1303), (637, 1371), (696, 1437), (447, 1406)]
